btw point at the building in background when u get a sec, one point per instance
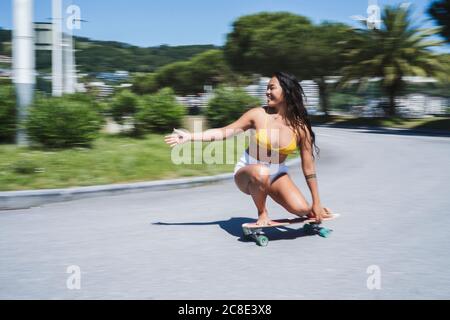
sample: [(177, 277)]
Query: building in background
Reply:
[(5, 67)]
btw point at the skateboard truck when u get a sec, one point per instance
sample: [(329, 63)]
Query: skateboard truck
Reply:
[(310, 227), (315, 228), (257, 235), (262, 240)]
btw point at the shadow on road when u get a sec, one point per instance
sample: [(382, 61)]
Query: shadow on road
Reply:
[(233, 226)]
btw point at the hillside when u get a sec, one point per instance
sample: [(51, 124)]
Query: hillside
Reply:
[(98, 56)]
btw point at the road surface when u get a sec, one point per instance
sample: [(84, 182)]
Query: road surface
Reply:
[(391, 242)]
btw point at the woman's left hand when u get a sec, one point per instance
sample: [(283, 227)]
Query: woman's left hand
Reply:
[(318, 212)]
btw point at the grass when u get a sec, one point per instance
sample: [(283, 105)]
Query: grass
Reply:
[(111, 159), (120, 159)]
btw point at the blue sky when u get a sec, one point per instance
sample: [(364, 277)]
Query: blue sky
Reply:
[(180, 22)]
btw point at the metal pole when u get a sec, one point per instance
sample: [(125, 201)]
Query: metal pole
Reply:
[(24, 76), (70, 72), (57, 63), (69, 66)]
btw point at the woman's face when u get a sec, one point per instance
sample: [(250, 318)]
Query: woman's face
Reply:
[(274, 93)]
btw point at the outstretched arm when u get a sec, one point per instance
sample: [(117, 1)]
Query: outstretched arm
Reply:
[(245, 122)]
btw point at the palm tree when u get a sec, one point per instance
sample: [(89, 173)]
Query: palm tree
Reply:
[(439, 10), (395, 50)]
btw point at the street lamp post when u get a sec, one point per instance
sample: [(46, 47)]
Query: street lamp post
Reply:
[(57, 61), (24, 76)]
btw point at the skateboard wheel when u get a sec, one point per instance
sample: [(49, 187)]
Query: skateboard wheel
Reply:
[(262, 241), (324, 232)]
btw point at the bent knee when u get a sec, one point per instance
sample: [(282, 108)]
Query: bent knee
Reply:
[(259, 174)]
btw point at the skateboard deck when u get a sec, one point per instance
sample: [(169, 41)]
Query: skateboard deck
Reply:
[(310, 226)]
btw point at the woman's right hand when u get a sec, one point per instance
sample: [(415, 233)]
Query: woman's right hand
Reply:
[(177, 137)]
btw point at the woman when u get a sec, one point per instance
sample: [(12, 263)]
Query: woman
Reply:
[(261, 171)]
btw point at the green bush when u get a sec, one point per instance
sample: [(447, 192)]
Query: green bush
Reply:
[(99, 106), (159, 113), (63, 122), (123, 104), (8, 115), (24, 166), (104, 108), (228, 105)]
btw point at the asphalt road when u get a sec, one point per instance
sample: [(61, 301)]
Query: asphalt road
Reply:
[(391, 189)]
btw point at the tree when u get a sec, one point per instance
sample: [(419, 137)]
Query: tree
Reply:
[(324, 56), (440, 11), (187, 77), (5, 36), (396, 50), (8, 113), (209, 68), (100, 56), (268, 42), (144, 83)]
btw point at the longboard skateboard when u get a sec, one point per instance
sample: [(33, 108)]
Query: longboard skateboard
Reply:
[(256, 232)]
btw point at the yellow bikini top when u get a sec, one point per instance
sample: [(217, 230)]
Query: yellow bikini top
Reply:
[(261, 139)]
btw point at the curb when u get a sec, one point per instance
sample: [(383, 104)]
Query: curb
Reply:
[(13, 200)]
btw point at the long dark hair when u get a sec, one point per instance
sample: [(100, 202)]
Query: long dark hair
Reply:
[(296, 112)]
